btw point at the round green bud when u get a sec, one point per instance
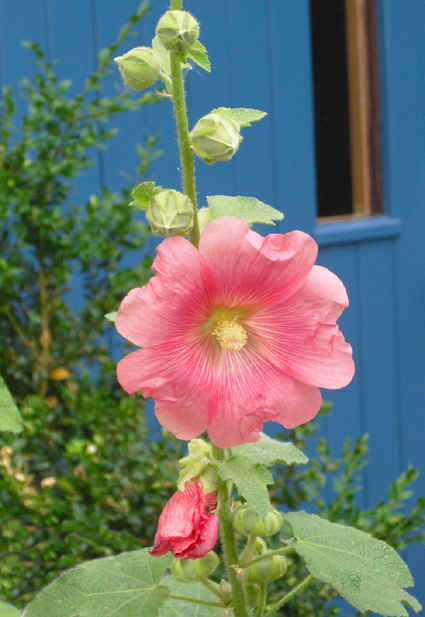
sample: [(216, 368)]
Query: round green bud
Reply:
[(225, 588), (170, 213), (266, 571), (139, 67), (192, 570), (249, 523), (177, 31), (215, 138), (252, 594)]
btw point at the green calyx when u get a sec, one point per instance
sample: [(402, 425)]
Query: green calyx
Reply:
[(170, 213), (215, 138), (193, 570), (246, 521), (266, 571), (177, 31), (139, 67), (197, 465)]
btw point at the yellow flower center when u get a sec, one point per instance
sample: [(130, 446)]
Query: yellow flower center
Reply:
[(230, 335)]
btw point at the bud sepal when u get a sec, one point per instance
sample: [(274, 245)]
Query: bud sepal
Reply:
[(215, 138), (193, 570), (177, 31), (266, 570), (246, 521), (140, 67)]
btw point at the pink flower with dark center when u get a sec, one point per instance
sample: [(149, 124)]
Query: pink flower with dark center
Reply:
[(187, 525), (236, 333)]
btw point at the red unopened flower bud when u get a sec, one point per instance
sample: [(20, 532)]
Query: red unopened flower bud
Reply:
[(187, 525)]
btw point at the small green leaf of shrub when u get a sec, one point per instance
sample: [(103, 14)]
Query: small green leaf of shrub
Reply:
[(123, 586), (250, 479), (367, 572), (10, 418), (242, 116), (248, 209), (6, 610), (268, 451), (180, 608)]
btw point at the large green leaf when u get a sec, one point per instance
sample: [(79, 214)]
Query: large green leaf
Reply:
[(367, 572), (10, 418), (122, 586), (248, 209), (268, 451), (6, 610), (250, 479), (242, 116), (180, 608)]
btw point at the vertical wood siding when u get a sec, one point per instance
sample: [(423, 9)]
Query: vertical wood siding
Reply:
[(260, 54)]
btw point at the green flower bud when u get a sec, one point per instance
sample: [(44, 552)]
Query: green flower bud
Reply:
[(252, 594), (197, 465), (170, 213), (139, 67), (215, 138), (260, 547), (266, 571), (177, 31), (248, 522), (192, 570), (225, 588)]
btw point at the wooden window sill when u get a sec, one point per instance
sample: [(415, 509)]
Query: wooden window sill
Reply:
[(356, 230)]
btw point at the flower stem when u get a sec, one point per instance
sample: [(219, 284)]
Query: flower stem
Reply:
[(214, 588), (279, 551), (262, 601), (227, 536), (176, 5), (289, 595), (248, 550), (176, 596), (186, 152)]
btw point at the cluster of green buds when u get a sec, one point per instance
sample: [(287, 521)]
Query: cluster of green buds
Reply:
[(193, 570), (215, 137)]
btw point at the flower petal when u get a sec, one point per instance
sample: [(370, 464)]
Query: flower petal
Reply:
[(248, 391), (300, 336), (173, 302), (252, 270)]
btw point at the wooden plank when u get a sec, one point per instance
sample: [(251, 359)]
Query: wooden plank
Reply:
[(359, 103)]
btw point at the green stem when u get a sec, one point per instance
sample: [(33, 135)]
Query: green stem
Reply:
[(289, 596), (227, 536), (248, 550), (186, 152), (279, 551), (176, 5), (175, 596), (214, 588), (262, 601)]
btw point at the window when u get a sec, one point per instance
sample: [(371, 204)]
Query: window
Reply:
[(346, 108)]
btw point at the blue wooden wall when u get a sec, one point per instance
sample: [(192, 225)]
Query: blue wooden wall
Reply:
[(260, 54)]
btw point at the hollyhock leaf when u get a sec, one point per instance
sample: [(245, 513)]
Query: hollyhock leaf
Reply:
[(143, 194), (10, 418), (122, 586), (268, 451), (198, 54), (111, 316), (242, 116), (367, 572), (250, 480), (7, 610), (180, 608), (248, 209)]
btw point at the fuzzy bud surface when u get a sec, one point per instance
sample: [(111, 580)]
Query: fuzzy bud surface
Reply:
[(139, 67), (215, 138)]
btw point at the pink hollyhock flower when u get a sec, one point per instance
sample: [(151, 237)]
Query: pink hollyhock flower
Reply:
[(186, 525), (236, 333)]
